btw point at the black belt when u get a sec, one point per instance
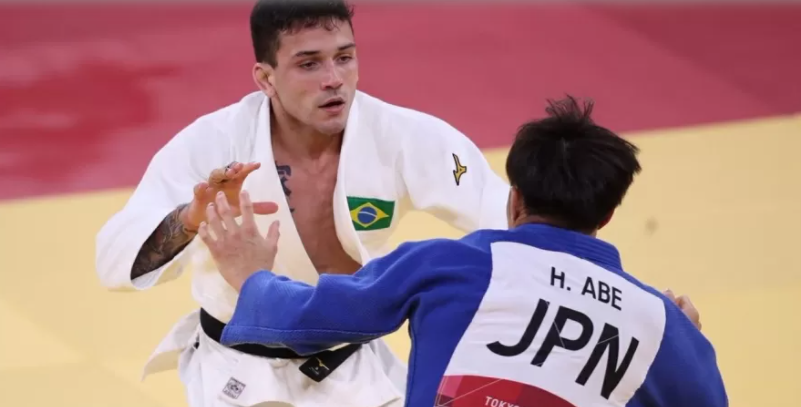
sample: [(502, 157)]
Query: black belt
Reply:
[(317, 367)]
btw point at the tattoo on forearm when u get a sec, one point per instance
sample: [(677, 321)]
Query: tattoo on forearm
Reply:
[(284, 172), (169, 238)]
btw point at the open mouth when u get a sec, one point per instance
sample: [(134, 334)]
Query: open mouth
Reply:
[(333, 104)]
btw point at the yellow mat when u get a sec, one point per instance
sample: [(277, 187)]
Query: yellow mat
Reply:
[(716, 214)]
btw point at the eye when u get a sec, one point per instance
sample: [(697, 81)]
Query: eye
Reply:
[(308, 65), (344, 58)]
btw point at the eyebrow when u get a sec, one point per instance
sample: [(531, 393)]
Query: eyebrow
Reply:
[(311, 53)]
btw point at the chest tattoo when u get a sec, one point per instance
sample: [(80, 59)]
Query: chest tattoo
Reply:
[(284, 172)]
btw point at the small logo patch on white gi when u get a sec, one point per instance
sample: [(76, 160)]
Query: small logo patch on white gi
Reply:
[(459, 170), (233, 388)]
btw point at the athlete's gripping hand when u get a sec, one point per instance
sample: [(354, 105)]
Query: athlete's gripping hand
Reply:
[(227, 180), (686, 306), (238, 250)]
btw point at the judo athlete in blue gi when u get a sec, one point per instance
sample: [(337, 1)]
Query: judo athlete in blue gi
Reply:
[(539, 315)]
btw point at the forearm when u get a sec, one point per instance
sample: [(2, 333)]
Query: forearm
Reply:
[(166, 241), (306, 323), (276, 311)]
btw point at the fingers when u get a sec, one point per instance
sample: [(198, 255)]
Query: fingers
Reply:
[(273, 234), (220, 176), (686, 306), (246, 211), (232, 169), (265, 208), (245, 170), (206, 237), (200, 191), (226, 212), (689, 308), (214, 221), (271, 245), (220, 223), (217, 177), (683, 302), (235, 171)]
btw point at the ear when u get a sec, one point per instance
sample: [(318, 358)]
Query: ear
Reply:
[(264, 77), (606, 220), (509, 219), (516, 208)]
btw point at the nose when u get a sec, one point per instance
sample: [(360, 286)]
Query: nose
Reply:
[(333, 78)]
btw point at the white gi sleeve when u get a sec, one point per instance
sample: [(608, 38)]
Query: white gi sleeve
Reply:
[(188, 158), (447, 176)]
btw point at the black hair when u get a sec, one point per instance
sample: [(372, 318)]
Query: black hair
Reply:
[(270, 18), (568, 169)]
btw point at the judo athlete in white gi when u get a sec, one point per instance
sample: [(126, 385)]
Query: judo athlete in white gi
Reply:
[(539, 315), (332, 169)]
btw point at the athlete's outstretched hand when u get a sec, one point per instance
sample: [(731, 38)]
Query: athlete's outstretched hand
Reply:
[(238, 250), (227, 180)]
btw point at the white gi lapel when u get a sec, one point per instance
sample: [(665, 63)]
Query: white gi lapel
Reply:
[(343, 213), (264, 184)]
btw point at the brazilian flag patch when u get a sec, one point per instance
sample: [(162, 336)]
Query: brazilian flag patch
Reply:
[(370, 214)]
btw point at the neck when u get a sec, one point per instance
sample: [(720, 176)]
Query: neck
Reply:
[(535, 219), (299, 140)]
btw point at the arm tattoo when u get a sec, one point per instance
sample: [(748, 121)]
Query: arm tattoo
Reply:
[(284, 172), (169, 238)]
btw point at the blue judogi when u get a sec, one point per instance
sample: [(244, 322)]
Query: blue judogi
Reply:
[(532, 316)]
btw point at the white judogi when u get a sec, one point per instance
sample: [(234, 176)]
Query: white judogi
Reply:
[(393, 160)]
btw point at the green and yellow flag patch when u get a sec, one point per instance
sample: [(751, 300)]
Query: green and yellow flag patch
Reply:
[(370, 214)]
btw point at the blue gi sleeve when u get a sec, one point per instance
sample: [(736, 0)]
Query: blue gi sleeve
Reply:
[(275, 311), (685, 372)]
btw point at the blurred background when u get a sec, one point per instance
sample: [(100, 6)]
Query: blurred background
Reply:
[(709, 90)]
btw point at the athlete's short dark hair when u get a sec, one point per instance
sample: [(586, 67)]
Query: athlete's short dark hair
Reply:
[(569, 169), (270, 18)]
